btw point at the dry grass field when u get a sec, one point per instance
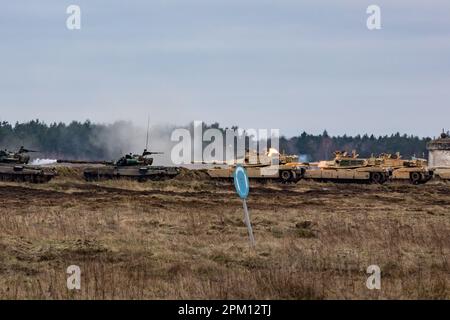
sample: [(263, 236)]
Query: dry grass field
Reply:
[(186, 240)]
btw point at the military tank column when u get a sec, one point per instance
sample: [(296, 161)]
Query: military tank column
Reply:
[(344, 167), (385, 167), (270, 165)]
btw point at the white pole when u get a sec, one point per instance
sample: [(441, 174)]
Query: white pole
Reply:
[(248, 224)]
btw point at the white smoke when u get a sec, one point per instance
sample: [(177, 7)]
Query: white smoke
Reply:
[(123, 137), (41, 162), (303, 158)]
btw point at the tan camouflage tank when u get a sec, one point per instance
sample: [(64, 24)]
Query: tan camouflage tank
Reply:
[(347, 168), (414, 170), (270, 165)]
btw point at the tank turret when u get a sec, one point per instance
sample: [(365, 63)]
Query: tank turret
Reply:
[(19, 157), (342, 160), (137, 159)]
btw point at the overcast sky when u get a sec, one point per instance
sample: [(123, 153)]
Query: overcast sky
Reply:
[(292, 65)]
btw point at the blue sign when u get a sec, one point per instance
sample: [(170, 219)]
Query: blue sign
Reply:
[(241, 182)]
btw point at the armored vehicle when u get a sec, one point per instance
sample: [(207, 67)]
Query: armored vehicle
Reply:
[(14, 167), (270, 165), (347, 168), (130, 166), (414, 170)]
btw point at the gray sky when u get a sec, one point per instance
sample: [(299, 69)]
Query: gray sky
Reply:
[(293, 65)]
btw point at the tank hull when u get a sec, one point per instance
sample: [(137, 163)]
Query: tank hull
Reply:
[(24, 173), (367, 174), (284, 173), (139, 173), (413, 175)]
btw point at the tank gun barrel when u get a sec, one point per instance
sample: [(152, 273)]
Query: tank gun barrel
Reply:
[(24, 150), (147, 153), (84, 162)]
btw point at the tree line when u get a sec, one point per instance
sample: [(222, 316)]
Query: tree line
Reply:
[(94, 141), (322, 146), (75, 140)]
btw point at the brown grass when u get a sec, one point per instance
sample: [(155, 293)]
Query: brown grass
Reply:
[(186, 240)]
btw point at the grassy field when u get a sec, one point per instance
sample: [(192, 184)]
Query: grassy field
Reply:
[(186, 240)]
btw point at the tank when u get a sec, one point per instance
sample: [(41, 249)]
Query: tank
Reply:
[(415, 170), (347, 168), (131, 166), (263, 167), (14, 167)]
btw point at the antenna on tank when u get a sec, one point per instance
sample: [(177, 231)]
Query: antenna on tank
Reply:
[(148, 126)]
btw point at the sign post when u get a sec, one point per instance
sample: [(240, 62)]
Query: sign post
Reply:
[(242, 186)]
